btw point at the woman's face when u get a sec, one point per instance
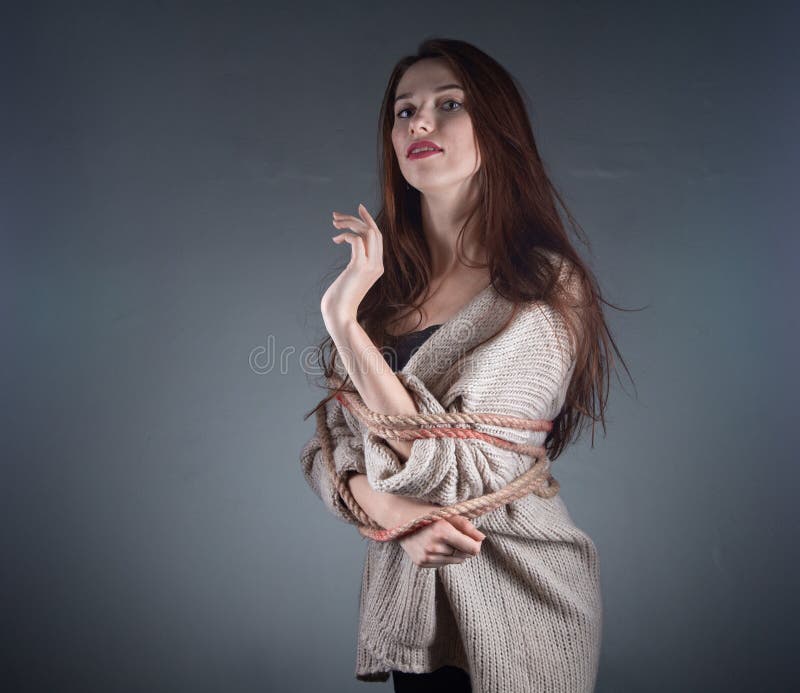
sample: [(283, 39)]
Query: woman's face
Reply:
[(424, 113)]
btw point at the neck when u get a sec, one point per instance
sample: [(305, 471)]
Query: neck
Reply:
[(443, 215)]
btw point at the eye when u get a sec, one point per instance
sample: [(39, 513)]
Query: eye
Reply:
[(450, 110)]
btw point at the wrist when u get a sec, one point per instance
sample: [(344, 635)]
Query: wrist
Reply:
[(405, 509), (387, 509)]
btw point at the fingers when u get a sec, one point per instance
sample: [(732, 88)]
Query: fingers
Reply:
[(433, 545), (362, 210), (456, 539), (372, 238), (445, 539), (356, 241), (365, 226), (446, 560), (464, 525)]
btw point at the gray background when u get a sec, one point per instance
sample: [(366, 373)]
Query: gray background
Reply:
[(168, 175)]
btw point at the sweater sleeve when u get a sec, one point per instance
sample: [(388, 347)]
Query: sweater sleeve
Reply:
[(348, 455), (523, 372)]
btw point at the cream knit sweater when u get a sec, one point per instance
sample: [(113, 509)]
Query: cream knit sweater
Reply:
[(525, 614)]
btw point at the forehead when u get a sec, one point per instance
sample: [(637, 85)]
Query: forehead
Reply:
[(424, 75)]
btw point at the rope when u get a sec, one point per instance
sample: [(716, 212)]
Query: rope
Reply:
[(535, 480)]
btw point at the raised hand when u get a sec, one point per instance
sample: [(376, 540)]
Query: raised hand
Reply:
[(342, 298)]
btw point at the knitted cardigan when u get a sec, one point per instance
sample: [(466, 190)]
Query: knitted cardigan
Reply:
[(525, 614)]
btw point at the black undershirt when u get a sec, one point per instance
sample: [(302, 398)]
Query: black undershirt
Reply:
[(406, 346)]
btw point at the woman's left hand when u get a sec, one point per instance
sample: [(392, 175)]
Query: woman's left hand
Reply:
[(344, 295)]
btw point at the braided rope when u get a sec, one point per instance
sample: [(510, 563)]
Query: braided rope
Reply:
[(537, 479)]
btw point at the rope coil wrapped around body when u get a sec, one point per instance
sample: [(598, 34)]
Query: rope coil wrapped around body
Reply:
[(537, 479)]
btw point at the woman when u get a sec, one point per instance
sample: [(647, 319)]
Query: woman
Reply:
[(467, 264)]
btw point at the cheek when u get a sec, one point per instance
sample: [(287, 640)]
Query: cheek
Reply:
[(467, 144), (396, 143)]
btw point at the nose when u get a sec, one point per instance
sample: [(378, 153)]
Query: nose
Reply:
[(420, 121)]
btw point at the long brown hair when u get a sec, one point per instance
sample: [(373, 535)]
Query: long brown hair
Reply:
[(518, 225)]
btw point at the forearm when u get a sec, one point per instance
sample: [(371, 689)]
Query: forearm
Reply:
[(387, 509), (375, 381)]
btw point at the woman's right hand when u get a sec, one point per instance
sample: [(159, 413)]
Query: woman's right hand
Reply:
[(432, 546)]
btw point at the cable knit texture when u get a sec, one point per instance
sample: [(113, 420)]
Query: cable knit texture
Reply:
[(525, 615)]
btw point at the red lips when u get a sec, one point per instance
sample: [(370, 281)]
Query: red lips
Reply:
[(422, 143)]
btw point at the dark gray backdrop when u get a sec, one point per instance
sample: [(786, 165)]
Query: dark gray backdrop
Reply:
[(168, 173)]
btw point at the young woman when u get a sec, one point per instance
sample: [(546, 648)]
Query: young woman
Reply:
[(467, 262)]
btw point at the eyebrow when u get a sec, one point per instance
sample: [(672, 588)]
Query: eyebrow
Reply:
[(444, 87)]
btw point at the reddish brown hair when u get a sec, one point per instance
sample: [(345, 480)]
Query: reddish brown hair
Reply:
[(518, 223)]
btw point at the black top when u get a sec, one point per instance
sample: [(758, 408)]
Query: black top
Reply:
[(406, 346)]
